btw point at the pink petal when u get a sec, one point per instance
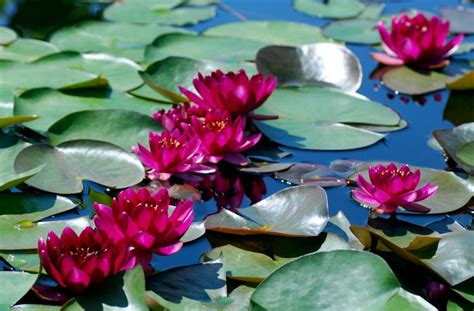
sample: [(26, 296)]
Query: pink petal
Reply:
[(386, 59), (364, 198)]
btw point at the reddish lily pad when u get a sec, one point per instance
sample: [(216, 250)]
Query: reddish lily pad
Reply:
[(295, 211)]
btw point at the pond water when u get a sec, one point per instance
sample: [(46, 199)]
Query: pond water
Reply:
[(406, 146)]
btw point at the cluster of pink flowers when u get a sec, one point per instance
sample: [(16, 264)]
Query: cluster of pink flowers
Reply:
[(135, 226), (210, 129), (417, 41)]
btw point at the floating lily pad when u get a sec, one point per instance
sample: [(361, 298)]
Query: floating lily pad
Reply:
[(46, 74), (121, 73), (68, 164), (104, 125), (465, 82), (316, 119), (314, 289), (453, 191), (404, 235), (408, 81), (166, 75), (452, 141), (146, 12), (201, 282), (270, 32), (9, 121), (466, 154), (119, 39), (27, 50), (125, 291), (25, 260), (312, 64), (202, 47), (296, 211), (454, 252), (7, 94), (9, 148), (329, 9), (7, 35), (464, 47), (23, 235), (460, 17), (357, 30), (18, 284), (249, 266), (52, 105), (21, 207)]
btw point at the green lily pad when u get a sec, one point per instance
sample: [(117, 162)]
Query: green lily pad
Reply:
[(18, 284), (318, 119), (9, 148), (52, 105), (460, 18), (295, 211), (119, 39), (453, 191), (215, 48), (7, 94), (148, 11), (23, 235), (166, 75), (464, 47), (121, 73), (404, 235), (125, 291), (104, 125), (239, 299), (69, 163), (202, 282), (27, 50), (466, 154), (195, 287), (408, 81), (44, 73), (270, 32), (7, 35), (26, 260), (9, 121), (20, 207), (329, 9), (454, 252), (452, 140), (463, 83), (331, 285), (250, 266), (319, 64), (359, 30)]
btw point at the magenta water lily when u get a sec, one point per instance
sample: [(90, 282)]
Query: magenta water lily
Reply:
[(78, 262), (235, 93), (391, 187), (221, 137), (145, 221), (173, 118), (171, 153), (417, 41)]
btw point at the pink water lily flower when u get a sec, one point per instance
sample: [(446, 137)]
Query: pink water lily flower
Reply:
[(171, 153), (78, 262), (417, 41), (235, 93), (171, 119), (392, 187), (221, 137), (146, 221)]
